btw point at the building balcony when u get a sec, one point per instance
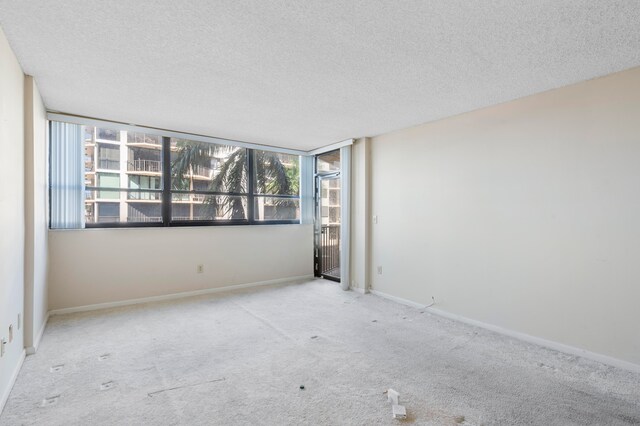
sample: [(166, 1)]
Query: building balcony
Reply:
[(188, 198), (149, 166), (144, 196), (202, 172)]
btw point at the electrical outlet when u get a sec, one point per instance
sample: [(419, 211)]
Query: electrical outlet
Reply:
[(379, 270), (18, 323), (10, 333), (2, 345), (200, 269), (375, 219)]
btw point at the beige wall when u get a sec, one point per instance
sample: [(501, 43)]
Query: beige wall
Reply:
[(523, 215), (94, 266), (11, 211), (35, 214)]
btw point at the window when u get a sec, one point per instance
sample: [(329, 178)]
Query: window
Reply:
[(328, 162), (107, 134), (276, 186), (206, 183), (121, 189), (108, 157)]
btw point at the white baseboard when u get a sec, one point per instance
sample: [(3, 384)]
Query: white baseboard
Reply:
[(33, 349), (561, 347), (360, 290), (12, 380), (397, 299), (176, 295)]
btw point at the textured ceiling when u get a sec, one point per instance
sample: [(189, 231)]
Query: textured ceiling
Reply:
[(304, 74)]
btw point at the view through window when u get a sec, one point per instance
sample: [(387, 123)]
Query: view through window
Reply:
[(124, 178)]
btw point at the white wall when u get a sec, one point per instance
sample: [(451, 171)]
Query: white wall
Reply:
[(35, 273), (11, 212), (524, 215), (360, 213), (93, 266)]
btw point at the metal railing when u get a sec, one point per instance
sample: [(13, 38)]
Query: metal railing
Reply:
[(133, 195), (153, 166), (330, 250), (142, 218), (107, 164)]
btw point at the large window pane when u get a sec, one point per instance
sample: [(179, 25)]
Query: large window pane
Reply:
[(205, 166), (123, 180), (276, 173), (208, 207), (272, 208)]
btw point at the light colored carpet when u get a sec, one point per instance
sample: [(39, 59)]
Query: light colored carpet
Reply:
[(240, 358)]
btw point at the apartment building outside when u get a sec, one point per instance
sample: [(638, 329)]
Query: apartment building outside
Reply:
[(123, 177)]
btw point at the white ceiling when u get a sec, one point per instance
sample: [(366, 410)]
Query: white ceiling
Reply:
[(303, 74)]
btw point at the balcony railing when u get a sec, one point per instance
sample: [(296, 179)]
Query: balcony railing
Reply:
[(143, 218), (107, 164), (196, 198), (330, 250), (152, 166), (142, 138), (144, 196)]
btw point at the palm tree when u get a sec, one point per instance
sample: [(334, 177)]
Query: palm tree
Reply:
[(272, 176)]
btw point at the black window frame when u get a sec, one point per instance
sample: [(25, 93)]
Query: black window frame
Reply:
[(166, 199)]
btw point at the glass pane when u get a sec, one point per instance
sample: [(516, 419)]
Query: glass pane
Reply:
[(145, 182), (108, 206), (143, 138), (107, 134), (208, 167), (108, 180), (208, 207), (108, 156), (328, 162), (276, 173), (107, 212), (272, 208), (330, 201)]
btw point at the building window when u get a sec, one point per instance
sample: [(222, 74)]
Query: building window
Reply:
[(125, 171), (107, 134)]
